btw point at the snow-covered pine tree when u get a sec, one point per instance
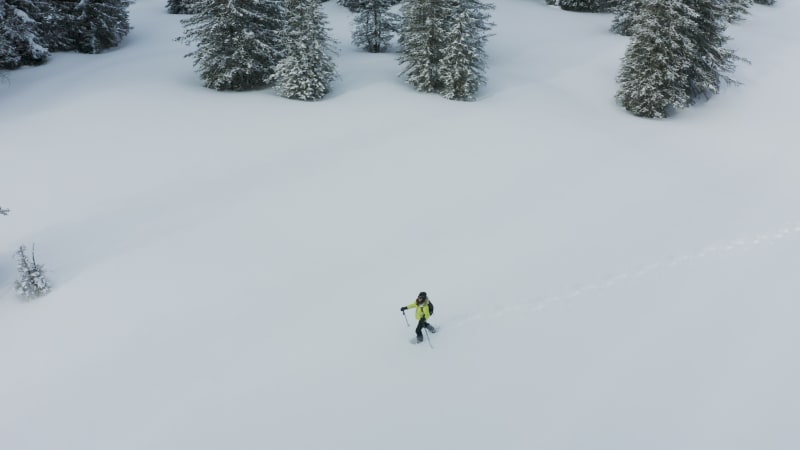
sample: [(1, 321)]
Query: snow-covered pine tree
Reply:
[(735, 10), (584, 5), (307, 70), (653, 76), (91, 26), (423, 25), (238, 42), (4, 212), (624, 12), (712, 60), (375, 26), (765, 2), (32, 282), (463, 55), (20, 34)]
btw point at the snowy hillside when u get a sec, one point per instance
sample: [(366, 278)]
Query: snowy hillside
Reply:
[(228, 268)]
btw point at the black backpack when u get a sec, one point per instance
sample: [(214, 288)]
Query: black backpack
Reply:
[(430, 307)]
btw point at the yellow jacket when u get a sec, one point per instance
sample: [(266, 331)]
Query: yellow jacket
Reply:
[(422, 310)]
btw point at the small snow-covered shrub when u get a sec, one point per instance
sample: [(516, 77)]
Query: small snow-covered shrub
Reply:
[(32, 282)]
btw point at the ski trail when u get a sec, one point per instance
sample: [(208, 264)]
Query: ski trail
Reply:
[(539, 304)]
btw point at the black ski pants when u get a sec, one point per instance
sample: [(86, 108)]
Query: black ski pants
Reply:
[(422, 324)]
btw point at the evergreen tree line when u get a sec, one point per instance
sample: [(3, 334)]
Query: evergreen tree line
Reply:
[(31, 29), (285, 44)]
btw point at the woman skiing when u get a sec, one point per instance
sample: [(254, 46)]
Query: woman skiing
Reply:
[(424, 311)]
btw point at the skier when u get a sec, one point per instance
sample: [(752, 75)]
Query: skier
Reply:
[(424, 311)]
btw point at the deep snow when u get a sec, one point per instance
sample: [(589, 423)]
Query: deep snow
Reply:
[(229, 267)]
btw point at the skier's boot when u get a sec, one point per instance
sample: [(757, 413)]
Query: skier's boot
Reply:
[(430, 327), (419, 338)]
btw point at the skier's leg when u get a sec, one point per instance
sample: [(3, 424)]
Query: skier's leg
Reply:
[(419, 329), (423, 323)]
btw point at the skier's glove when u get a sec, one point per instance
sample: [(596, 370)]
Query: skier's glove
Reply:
[(403, 308)]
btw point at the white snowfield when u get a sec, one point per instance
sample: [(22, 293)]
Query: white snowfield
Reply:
[(228, 268)]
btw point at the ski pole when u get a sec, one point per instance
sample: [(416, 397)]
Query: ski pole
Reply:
[(404, 316), (428, 335)]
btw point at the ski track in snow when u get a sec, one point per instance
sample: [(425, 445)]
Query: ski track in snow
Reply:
[(539, 304)]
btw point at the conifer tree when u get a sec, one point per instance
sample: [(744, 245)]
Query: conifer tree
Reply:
[(654, 72), (307, 69), (32, 282), (765, 2), (422, 31), (712, 61), (238, 42), (443, 45), (375, 26), (3, 212), (463, 56)]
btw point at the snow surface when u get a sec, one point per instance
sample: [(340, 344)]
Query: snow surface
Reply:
[(229, 267)]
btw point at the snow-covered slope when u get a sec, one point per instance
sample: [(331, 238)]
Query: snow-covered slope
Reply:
[(229, 267)]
